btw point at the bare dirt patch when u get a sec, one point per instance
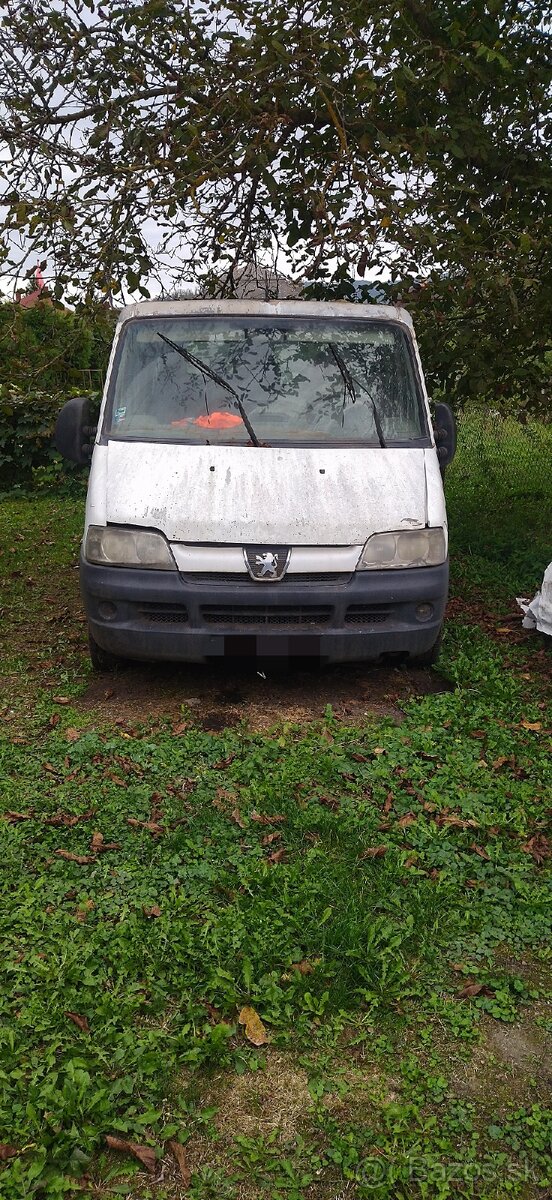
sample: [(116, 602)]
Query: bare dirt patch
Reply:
[(275, 1103), (513, 1063), (274, 1099), (231, 691), (260, 1102)]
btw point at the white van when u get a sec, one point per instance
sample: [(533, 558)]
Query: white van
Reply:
[(264, 480)]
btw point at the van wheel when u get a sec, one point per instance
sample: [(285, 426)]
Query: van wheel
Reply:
[(101, 659), (430, 657)]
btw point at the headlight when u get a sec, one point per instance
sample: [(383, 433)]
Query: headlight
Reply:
[(117, 547), (411, 548)]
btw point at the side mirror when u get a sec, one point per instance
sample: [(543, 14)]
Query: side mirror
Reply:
[(73, 434), (444, 428)]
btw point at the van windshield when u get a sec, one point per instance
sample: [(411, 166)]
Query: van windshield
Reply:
[(297, 381)]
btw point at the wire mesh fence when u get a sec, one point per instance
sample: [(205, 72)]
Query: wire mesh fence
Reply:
[(499, 496), (515, 454)]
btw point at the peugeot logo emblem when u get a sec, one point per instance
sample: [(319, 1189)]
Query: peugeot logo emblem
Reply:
[(267, 566)]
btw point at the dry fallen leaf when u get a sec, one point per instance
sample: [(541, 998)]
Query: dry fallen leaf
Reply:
[(224, 762), (458, 822), (7, 1151), (98, 845), (480, 851), (237, 817), (374, 852), (538, 847), (177, 1149), (151, 826), (80, 1022), (16, 816), (264, 819), (276, 856), (69, 819), (388, 805), (213, 1013), (81, 859), (255, 1031), (304, 967), (502, 760), (270, 838), (187, 785), (474, 989), (329, 802), (144, 1154), (82, 911), (471, 989), (408, 819), (222, 799), (154, 911)]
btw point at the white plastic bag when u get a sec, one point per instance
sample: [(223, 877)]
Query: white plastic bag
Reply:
[(538, 611)]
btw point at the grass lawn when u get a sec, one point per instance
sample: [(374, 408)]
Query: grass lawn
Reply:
[(375, 889)]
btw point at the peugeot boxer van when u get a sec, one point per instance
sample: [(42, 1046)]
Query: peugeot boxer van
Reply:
[(264, 479)]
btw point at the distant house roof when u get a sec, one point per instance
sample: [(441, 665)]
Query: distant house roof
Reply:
[(256, 282)]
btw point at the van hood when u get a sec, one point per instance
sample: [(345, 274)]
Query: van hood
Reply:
[(242, 494)]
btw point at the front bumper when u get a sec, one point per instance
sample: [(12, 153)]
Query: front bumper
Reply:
[(163, 615)]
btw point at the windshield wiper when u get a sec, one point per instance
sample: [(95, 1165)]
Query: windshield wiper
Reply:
[(350, 388), (205, 370)]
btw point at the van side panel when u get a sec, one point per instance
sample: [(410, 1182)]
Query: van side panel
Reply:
[(436, 510)]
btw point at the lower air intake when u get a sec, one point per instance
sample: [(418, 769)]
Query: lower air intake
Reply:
[(262, 614)]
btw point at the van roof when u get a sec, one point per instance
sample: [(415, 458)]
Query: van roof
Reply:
[(265, 308)]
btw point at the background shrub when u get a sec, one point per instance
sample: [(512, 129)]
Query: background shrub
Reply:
[(27, 453), (47, 354), (50, 349)]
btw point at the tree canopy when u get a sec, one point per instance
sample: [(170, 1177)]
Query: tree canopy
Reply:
[(403, 138)]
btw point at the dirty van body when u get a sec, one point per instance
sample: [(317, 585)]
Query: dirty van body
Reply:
[(264, 480)]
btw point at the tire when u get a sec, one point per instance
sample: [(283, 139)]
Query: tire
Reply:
[(102, 661), (430, 657)]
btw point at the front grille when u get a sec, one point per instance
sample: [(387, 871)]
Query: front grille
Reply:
[(365, 614), (244, 577), (164, 614), (262, 614)]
